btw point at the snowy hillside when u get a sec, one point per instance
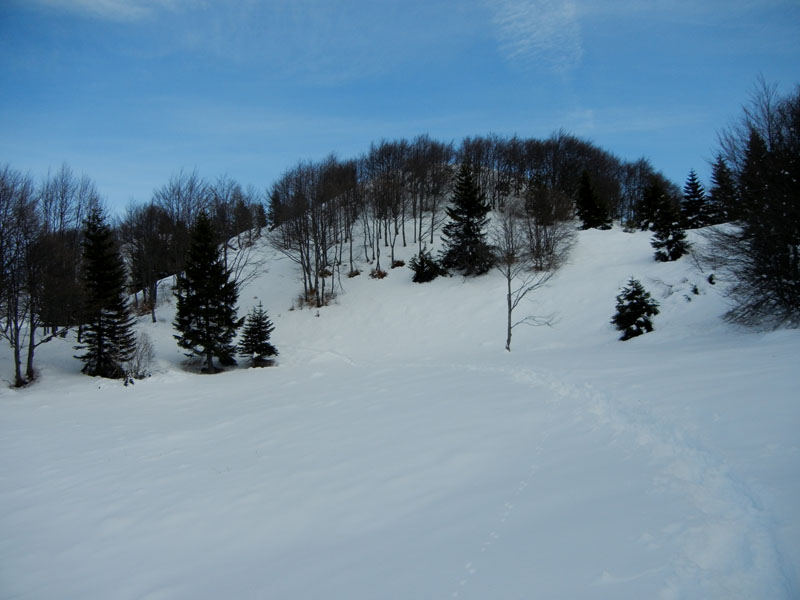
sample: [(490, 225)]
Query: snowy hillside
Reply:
[(397, 451)]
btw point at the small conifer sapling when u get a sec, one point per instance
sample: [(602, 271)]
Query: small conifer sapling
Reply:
[(255, 343), (425, 267), (635, 309)]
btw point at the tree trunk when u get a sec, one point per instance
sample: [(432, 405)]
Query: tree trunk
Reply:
[(29, 373), (510, 308), (19, 380), (209, 361)]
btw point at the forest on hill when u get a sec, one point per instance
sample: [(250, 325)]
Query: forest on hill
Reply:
[(328, 215)]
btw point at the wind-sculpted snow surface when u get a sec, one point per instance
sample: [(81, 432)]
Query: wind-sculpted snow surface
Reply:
[(397, 451)]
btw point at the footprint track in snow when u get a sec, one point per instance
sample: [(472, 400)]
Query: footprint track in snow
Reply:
[(493, 537), (732, 513)]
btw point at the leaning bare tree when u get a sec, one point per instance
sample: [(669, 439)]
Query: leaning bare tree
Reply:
[(514, 261)]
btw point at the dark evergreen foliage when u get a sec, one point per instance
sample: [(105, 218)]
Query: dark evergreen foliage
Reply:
[(255, 343), (206, 300), (425, 267), (768, 289), (694, 207), (669, 239), (108, 338), (588, 207), (723, 197), (465, 247), (653, 199), (635, 308)]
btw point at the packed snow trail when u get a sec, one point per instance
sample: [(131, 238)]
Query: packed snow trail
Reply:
[(727, 546)]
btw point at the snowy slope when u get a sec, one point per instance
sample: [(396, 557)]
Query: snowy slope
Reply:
[(397, 451)]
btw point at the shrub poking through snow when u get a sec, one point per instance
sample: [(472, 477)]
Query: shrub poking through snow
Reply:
[(425, 267), (377, 273), (138, 366), (635, 308), (398, 263)]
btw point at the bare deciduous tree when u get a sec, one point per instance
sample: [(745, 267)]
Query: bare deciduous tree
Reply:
[(513, 261)]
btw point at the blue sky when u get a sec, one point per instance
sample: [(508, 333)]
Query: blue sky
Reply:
[(131, 91)]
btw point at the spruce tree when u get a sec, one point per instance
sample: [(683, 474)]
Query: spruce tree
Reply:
[(588, 207), (108, 337), (255, 343), (465, 247), (206, 300), (694, 207), (425, 267), (723, 197), (669, 238), (635, 308)]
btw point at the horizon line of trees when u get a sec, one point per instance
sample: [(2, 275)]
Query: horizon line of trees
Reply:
[(326, 215)]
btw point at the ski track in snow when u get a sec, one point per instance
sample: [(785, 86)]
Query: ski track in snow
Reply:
[(731, 553)]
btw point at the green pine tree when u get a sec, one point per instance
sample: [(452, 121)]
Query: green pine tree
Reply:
[(108, 338), (723, 197), (635, 308), (255, 343), (669, 238), (694, 207), (465, 247), (206, 300)]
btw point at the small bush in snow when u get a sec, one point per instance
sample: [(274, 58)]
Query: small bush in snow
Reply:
[(377, 274), (425, 267), (635, 308), (354, 273), (138, 366), (398, 263)]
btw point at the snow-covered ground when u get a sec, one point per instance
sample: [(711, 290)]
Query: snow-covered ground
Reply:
[(397, 451)]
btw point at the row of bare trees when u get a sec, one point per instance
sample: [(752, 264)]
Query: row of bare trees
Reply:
[(40, 256), (396, 193), (155, 236)]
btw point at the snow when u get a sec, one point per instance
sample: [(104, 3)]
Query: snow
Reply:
[(397, 451)]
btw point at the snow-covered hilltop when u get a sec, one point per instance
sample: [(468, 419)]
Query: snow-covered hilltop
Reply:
[(398, 451)]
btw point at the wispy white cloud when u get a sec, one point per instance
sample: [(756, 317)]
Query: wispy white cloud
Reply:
[(678, 9), (543, 32), (635, 119), (113, 10)]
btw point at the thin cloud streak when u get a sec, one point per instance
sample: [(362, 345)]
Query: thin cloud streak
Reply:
[(111, 10), (543, 32)]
